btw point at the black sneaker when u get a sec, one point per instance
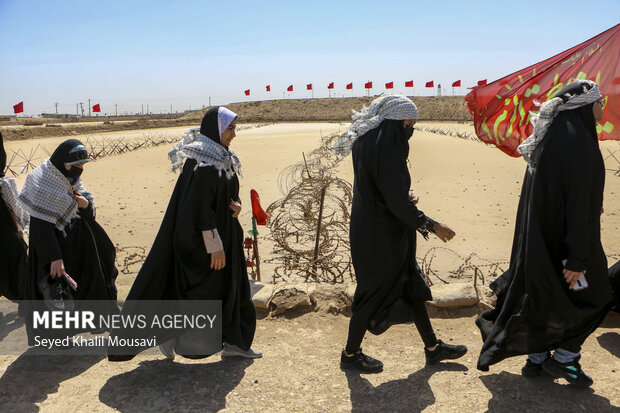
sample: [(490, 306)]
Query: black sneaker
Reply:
[(360, 361), (532, 369), (570, 371), (444, 351)]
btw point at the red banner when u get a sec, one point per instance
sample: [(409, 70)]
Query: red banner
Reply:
[(389, 85), (309, 86), (290, 88), (331, 85), (457, 83), (501, 109), (430, 84), (19, 108), (409, 83), (368, 85), (350, 86), (247, 92), (96, 108), (482, 82), (268, 88), (257, 211)]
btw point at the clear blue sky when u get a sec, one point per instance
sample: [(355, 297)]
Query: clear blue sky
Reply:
[(180, 53)]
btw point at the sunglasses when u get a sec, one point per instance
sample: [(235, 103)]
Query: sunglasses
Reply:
[(602, 102)]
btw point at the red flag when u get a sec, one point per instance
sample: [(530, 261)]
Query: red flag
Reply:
[(331, 85), (257, 212), (96, 108), (290, 88), (247, 92), (309, 86), (409, 83), (501, 109), (368, 85), (482, 82), (430, 84), (350, 86), (457, 83), (19, 108), (268, 88), (389, 85)]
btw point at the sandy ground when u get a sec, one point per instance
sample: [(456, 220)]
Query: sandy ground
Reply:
[(471, 187)]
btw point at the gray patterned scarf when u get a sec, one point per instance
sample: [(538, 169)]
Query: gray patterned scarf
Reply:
[(9, 193), (206, 152)]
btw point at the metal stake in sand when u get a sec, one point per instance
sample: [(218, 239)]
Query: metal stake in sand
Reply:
[(318, 229), (255, 234)]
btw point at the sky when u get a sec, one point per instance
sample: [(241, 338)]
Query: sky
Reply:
[(181, 55)]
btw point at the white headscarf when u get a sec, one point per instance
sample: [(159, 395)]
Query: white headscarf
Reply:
[(548, 112), (394, 107), (224, 119)]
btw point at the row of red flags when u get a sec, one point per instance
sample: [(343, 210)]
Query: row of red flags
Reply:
[(19, 108), (368, 85)]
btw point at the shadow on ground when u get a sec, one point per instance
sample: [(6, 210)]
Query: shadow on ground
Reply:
[(610, 342), (412, 394), (31, 378), (513, 392), (162, 385)]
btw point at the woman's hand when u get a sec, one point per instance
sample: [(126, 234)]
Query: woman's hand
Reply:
[(82, 202), (218, 260), (57, 268), (571, 277), (413, 198), (443, 232), (235, 207)]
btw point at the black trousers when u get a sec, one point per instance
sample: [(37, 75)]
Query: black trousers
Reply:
[(359, 324)]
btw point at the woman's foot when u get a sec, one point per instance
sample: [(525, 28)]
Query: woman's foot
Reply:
[(360, 361), (230, 350), (570, 371), (444, 351)]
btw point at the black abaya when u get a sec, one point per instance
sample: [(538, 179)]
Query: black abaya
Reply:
[(383, 231), (614, 280), (178, 266), (558, 219)]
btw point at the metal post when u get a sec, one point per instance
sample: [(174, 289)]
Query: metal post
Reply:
[(255, 231), (318, 229)]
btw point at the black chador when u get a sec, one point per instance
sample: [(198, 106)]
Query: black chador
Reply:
[(63, 232), (178, 266), (557, 228), (13, 219)]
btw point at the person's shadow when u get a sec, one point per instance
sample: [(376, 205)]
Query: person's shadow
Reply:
[(32, 377), (162, 385), (9, 322), (610, 342), (412, 394), (512, 392)]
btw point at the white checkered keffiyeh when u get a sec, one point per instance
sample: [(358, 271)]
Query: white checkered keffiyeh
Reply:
[(206, 152), (10, 195), (548, 111), (394, 107), (45, 195)]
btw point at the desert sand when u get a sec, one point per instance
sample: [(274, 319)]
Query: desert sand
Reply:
[(471, 187)]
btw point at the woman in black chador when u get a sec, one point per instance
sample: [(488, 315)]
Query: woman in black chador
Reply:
[(65, 238), (198, 252), (390, 285), (13, 221), (556, 290)]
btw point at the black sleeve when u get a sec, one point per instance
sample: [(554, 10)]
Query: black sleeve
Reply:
[(576, 185), (204, 187), (43, 240), (393, 182)]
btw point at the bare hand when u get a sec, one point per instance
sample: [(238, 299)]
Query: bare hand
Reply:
[(235, 207), (82, 202), (443, 232), (218, 260), (602, 210), (571, 277), (413, 198), (57, 268)]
